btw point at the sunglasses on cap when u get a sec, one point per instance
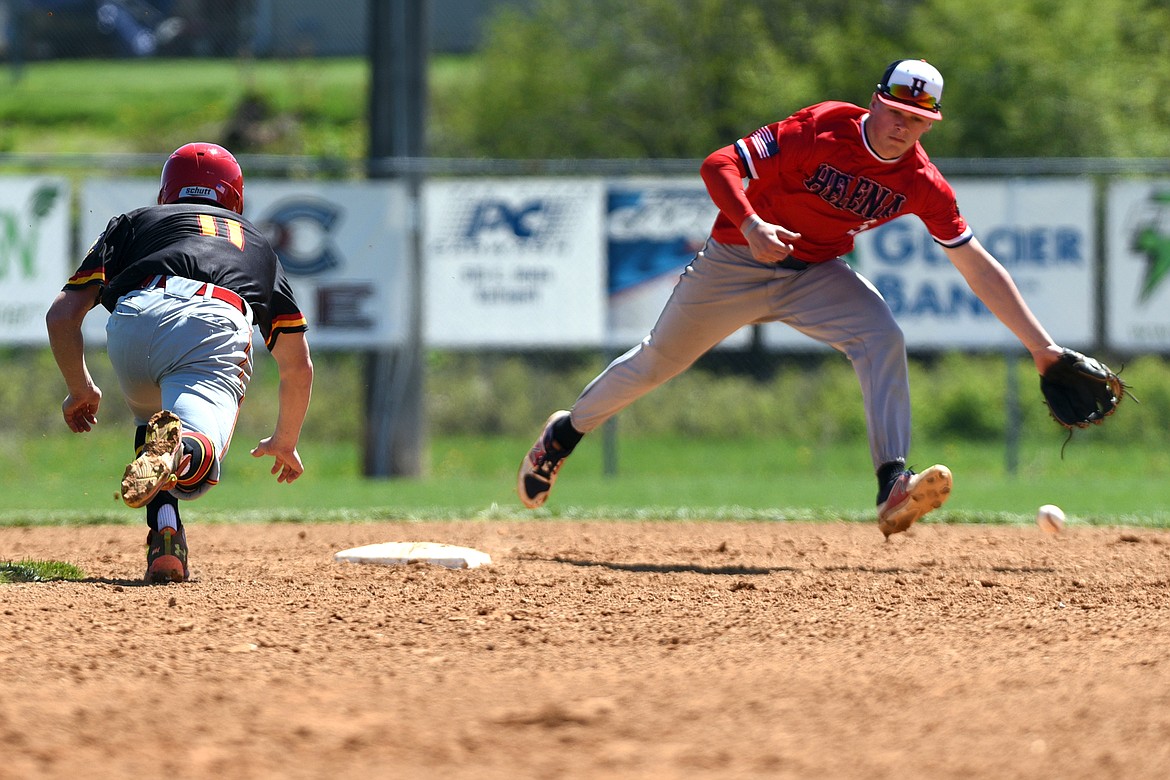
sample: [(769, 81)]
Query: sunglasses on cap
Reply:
[(905, 93)]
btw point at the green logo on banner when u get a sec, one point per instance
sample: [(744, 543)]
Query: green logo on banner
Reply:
[(18, 232), (1152, 239)]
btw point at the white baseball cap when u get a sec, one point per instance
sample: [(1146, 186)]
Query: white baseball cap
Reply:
[(914, 86)]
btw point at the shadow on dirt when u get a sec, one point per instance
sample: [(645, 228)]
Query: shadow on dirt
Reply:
[(667, 568), (135, 583)]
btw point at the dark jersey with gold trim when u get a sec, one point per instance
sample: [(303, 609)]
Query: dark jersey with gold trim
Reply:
[(195, 241)]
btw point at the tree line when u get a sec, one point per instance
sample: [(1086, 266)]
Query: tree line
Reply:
[(675, 79)]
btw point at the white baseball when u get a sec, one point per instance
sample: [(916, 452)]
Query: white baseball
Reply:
[(1050, 518)]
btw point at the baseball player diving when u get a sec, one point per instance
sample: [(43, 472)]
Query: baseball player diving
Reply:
[(814, 181), (185, 282)]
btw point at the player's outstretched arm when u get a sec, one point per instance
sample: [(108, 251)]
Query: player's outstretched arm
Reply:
[(291, 352), (63, 321), (990, 281)]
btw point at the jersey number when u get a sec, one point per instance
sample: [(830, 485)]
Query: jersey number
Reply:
[(223, 228)]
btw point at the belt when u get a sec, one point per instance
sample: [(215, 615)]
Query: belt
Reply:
[(217, 292), (792, 264)]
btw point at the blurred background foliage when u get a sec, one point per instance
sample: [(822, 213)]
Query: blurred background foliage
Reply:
[(678, 78), (664, 79)]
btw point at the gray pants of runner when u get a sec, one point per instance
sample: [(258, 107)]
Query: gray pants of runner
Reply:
[(725, 288), (190, 354)]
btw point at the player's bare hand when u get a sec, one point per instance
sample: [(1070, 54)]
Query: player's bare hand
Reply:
[(287, 465), (1046, 357), (80, 409), (768, 243)]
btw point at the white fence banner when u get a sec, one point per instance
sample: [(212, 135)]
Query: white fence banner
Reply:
[(346, 248), (1137, 237), (653, 230), (514, 263), (34, 247), (525, 262), (1042, 230)]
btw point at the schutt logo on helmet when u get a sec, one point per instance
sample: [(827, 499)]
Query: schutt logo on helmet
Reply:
[(198, 192)]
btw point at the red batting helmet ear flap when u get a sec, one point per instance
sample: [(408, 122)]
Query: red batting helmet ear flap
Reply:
[(203, 171)]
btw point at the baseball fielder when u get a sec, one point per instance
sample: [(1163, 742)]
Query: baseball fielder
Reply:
[(185, 282), (814, 180)]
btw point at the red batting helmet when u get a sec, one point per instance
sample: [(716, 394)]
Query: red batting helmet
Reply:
[(203, 171)]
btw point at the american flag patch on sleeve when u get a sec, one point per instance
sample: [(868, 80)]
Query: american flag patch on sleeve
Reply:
[(763, 142), (757, 146)]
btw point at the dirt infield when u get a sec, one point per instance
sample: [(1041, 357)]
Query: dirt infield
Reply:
[(594, 650)]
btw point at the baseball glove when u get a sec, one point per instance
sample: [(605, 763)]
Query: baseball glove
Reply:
[(1080, 390)]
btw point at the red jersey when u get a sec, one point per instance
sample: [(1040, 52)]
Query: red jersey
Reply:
[(815, 173)]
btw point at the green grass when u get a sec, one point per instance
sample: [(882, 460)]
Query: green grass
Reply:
[(311, 107), (38, 571), (73, 480), (154, 105)]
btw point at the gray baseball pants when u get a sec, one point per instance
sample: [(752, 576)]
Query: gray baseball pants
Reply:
[(188, 353), (725, 288)]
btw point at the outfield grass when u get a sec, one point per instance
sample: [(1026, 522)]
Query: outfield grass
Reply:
[(314, 106), (152, 106), (73, 479)]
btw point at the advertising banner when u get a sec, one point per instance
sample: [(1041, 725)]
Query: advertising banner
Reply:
[(34, 252), (514, 262), (653, 230), (1138, 274), (581, 262), (346, 248), (1041, 229)]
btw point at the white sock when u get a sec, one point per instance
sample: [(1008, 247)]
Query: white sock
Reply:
[(168, 517)]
